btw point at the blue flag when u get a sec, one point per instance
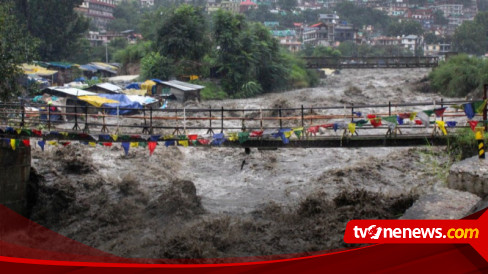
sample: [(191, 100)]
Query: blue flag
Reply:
[(468, 109), (126, 146), (41, 144)]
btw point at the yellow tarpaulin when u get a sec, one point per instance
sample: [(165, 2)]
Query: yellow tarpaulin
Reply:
[(147, 86), (33, 69), (96, 100)]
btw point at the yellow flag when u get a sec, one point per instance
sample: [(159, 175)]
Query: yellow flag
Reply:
[(442, 126), (114, 136), (297, 129), (168, 137), (19, 130), (233, 136), (53, 143), (183, 143), (92, 144), (288, 133), (13, 143), (134, 144), (65, 134), (352, 127), (413, 115)]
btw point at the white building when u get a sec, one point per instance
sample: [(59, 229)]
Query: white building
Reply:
[(412, 42)]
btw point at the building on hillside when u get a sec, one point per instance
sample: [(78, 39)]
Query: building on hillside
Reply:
[(247, 5), (101, 12), (288, 39), (329, 18), (386, 41), (412, 42), (450, 9), (319, 34), (345, 33), (146, 3), (215, 5), (439, 49)]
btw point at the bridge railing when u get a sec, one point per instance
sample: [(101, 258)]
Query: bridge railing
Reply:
[(373, 62), (90, 119)]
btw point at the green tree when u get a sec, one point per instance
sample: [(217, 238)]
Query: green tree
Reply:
[(408, 27), (287, 5), (55, 23), (470, 38), (439, 18), (156, 66), (127, 16), (457, 77), (360, 16), (16, 47), (183, 34)]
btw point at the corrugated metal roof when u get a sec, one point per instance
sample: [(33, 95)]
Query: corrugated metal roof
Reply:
[(183, 85), (109, 87), (71, 91)]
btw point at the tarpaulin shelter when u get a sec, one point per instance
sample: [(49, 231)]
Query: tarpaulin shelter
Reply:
[(149, 86), (97, 100), (124, 102)]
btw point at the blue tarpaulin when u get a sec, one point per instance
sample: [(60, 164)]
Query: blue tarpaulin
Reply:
[(124, 102), (90, 68), (133, 86)]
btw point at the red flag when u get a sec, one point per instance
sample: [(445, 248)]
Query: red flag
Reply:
[(418, 122), (439, 111), (257, 133), (313, 129), (37, 132), (375, 122), (152, 147), (26, 142), (473, 124), (371, 116), (107, 144), (192, 137), (327, 125), (204, 141), (405, 115), (65, 144)]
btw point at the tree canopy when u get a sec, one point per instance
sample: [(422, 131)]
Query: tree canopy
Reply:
[(16, 47), (55, 23)]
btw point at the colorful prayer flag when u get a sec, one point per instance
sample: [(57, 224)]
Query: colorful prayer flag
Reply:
[(126, 146), (41, 144), (114, 137), (439, 111), (134, 144), (442, 126), (183, 143), (26, 142), (473, 124), (352, 127), (13, 143), (152, 146), (243, 137), (468, 110)]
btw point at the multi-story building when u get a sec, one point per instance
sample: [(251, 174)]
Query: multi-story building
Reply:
[(288, 39), (412, 42), (386, 41), (437, 49), (214, 5), (146, 3), (101, 12), (450, 9), (319, 34)]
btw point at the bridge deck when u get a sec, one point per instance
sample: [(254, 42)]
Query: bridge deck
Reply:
[(371, 62)]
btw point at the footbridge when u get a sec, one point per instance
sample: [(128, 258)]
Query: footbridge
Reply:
[(371, 62), (350, 125)]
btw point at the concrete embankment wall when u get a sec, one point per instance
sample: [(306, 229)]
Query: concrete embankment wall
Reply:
[(14, 176)]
